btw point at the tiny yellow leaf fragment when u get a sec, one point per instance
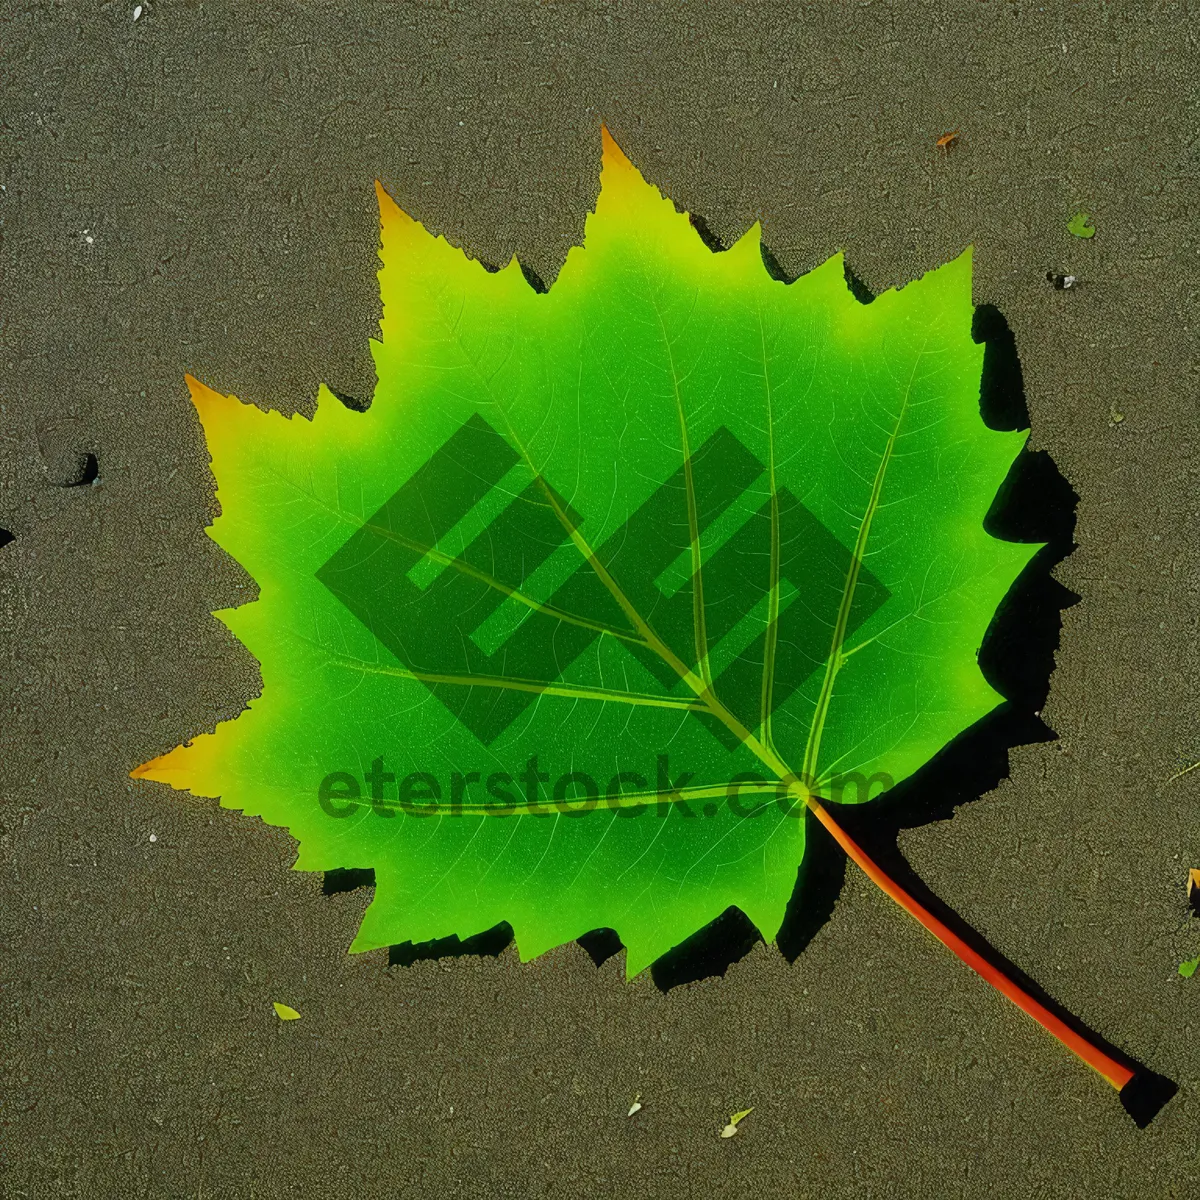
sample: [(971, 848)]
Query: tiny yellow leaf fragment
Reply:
[(1193, 886), (734, 1121), (636, 1106), (285, 1012)]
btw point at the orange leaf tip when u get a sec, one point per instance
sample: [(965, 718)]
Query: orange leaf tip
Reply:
[(203, 397), (614, 161), (151, 769), (390, 213)]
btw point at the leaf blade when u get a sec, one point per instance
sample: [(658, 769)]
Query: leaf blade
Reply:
[(650, 358)]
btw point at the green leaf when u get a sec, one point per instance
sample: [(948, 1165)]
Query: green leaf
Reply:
[(730, 1129), (1188, 969), (284, 1011), (566, 629), (1080, 227)]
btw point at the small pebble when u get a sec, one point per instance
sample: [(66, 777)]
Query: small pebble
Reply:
[(137, 12), (154, 837)]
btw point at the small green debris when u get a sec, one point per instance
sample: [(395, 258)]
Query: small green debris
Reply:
[(1116, 416), (1078, 225), (285, 1012), (734, 1120), (1188, 969), (1185, 771)]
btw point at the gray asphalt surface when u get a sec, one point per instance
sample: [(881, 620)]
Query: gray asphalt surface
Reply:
[(193, 192)]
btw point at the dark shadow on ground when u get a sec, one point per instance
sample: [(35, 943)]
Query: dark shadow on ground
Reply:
[(347, 879), (352, 402), (709, 951), (489, 944), (601, 944)]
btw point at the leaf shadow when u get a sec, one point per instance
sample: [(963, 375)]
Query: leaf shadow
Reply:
[(491, 943), (353, 403), (347, 879)]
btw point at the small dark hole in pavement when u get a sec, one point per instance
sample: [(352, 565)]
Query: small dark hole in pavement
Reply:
[(601, 944), (489, 944), (710, 951), (347, 879), (85, 470), (6, 537)]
